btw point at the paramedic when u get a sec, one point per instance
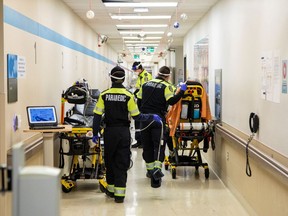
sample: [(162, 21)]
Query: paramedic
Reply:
[(143, 76), (117, 103), (154, 96)]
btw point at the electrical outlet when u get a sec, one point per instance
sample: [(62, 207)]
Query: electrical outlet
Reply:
[(227, 156)]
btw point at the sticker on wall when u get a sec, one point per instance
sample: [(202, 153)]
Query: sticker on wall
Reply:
[(15, 123), (284, 76)]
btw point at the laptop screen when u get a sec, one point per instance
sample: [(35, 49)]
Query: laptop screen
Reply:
[(41, 115)]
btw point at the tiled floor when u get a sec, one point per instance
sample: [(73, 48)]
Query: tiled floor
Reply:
[(185, 195)]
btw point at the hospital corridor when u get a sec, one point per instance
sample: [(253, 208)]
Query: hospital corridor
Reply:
[(182, 196), (143, 107)]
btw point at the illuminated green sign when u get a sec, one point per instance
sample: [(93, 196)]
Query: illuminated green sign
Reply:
[(150, 49)]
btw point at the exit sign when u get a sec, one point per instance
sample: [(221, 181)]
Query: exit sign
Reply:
[(136, 56), (150, 49)]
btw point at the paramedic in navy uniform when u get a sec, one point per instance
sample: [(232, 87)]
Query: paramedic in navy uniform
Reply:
[(117, 103), (143, 76), (155, 95)]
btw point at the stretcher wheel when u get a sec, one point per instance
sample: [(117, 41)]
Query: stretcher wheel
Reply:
[(197, 170), (102, 188), (206, 171), (66, 190), (173, 171)]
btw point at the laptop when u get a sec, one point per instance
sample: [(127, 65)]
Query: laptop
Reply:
[(42, 117)]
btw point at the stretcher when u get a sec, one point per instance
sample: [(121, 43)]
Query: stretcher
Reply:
[(191, 129), (80, 158)]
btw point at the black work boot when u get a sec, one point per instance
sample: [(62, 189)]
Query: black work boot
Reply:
[(149, 173), (109, 194), (156, 178), (157, 173), (118, 199), (155, 183)]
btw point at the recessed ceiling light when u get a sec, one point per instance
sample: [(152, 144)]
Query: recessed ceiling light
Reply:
[(146, 38), (141, 44), (141, 17), (143, 26), (138, 47), (141, 10), (138, 32), (142, 4), (144, 42)]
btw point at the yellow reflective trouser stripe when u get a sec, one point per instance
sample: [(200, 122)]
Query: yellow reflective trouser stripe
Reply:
[(110, 188), (119, 191), (158, 164), (150, 166)]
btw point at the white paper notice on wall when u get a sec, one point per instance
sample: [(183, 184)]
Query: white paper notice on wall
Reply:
[(271, 76), (21, 67)]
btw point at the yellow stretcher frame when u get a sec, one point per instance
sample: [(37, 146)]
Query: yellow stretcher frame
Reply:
[(96, 153), (189, 139)]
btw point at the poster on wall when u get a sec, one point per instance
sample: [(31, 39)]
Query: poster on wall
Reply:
[(201, 62), (218, 94), (271, 76), (284, 76), (12, 75)]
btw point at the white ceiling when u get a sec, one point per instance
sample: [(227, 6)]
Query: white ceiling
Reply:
[(103, 24)]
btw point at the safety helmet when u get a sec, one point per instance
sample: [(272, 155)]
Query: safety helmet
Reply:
[(164, 71), (136, 65), (117, 74)]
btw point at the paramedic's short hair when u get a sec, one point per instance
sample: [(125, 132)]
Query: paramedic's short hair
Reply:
[(164, 71)]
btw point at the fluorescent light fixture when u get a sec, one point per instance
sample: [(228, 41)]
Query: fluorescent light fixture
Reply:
[(141, 4), (141, 10), (142, 45), (146, 38), (143, 26), (144, 42), (138, 47), (140, 17), (139, 32)]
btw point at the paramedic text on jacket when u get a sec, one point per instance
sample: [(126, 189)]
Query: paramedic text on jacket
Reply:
[(155, 95), (117, 103)]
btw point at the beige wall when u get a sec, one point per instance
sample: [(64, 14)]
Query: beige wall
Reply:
[(239, 33), (50, 69), (265, 193), (237, 41)]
